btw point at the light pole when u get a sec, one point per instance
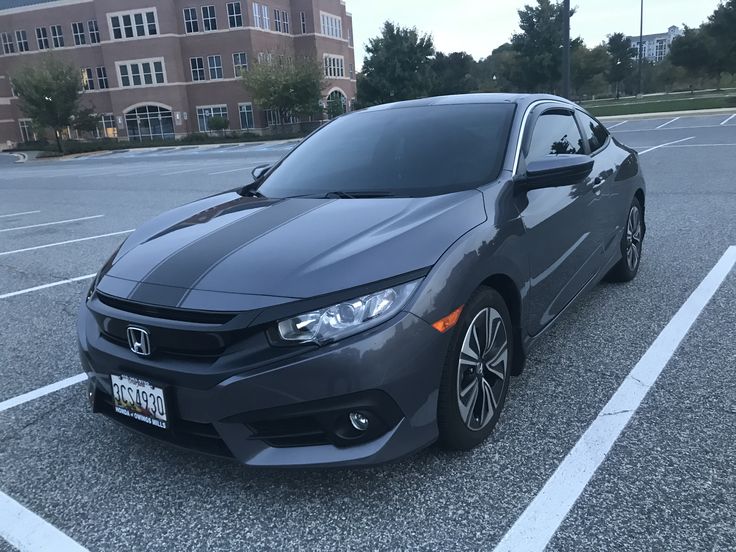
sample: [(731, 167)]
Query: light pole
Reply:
[(566, 49), (641, 49)]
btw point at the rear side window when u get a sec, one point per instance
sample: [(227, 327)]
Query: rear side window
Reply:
[(595, 133), (555, 133)]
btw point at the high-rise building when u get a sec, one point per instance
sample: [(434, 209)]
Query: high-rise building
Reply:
[(656, 46), (163, 68)]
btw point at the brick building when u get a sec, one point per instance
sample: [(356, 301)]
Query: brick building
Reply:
[(161, 68)]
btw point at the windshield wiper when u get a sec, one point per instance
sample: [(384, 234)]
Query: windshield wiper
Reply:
[(358, 194), (251, 190)]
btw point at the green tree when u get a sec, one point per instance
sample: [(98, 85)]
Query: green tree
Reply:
[(690, 51), (397, 66), (293, 90), (540, 46), (453, 74), (49, 94), (621, 59), (720, 33), (217, 123), (501, 71), (588, 70), (85, 120)]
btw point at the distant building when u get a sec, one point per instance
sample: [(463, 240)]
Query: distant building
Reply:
[(156, 69), (656, 46)]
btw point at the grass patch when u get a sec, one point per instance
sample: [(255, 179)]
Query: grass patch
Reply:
[(648, 105)]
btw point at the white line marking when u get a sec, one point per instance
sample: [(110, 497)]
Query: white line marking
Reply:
[(182, 172), (724, 123), (19, 214), (46, 286), (617, 124), (3, 253), (41, 391), (663, 145), (700, 145), (544, 515), (28, 532), (51, 223), (233, 170), (667, 123)]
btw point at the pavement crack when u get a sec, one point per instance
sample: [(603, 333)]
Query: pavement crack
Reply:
[(616, 412)]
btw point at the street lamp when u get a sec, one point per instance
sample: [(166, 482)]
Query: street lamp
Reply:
[(566, 49), (641, 49)]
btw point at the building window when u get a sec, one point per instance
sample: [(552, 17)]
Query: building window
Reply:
[(206, 112), (191, 22), (94, 31), (197, 65), (285, 21), (88, 81), (234, 15), (260, 16), (209, 19), (303, 19), (80, 37), (331, 25), (273, 117), (352, 71), (334, 66), (281, 21), (265, 58), (8, 44), (246, 115), (102, 78), (42, 37), (57, 36), (264, 17), (257, 15), (133, 24), (240, 63), (215, 65), (107, 127), (150, 122), (22, 39), (141, 72), (26, 130), (277, 21)]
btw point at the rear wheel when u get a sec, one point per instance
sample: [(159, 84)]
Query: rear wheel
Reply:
[(476, 375), (631, 246)]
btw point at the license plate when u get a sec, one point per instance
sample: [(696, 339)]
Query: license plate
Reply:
[(139, 400)]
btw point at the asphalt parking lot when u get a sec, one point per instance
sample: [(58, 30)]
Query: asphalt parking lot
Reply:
[(668, 483)]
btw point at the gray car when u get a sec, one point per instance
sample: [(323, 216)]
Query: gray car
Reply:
[(371, 293)]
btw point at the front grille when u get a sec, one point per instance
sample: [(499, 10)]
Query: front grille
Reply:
[(183, 315), (294, 432), (192, 435)]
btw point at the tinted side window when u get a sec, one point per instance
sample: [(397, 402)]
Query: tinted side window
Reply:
[(555, 133), (595, 133)]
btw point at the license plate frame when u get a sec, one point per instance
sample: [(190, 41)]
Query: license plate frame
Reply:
[(140, 400)]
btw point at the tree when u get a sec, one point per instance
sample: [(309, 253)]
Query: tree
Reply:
[(293, 90), (85, 120), (217, 123), (720, 33), (453, 74), (397, 66), (690, 51), (621, 56), (539, 45), (588, 70), (49, 94)]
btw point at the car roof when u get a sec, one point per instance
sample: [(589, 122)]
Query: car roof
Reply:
[(521, 100)]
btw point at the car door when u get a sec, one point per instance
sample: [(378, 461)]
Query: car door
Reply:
[(564, 247)]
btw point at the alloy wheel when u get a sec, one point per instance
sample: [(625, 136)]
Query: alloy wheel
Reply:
[(482, 369), (633, 238)]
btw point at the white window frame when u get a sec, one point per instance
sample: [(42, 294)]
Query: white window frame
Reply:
[(27, 124), (8, 42), (134, 27), (234, 20), (212, 67), (303, 19), (256, 15), (57, 36), (220, 107), (106, 118), (285, 22), (277, 20), (102, 80), (94, 31), (88, 78), (264, 17), (80, 38), (193, 23), (200, 69), (22, 40), (248, 109), (334, 66), (209, 19), (129, 63), (236, 65), (43, 38), (331, 25)]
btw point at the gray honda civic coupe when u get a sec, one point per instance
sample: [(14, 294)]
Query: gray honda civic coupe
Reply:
[(371, 293)]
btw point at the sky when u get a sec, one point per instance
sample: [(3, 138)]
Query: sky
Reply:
[(479, 26)]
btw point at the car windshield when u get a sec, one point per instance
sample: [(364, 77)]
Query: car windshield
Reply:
[(410, 151)]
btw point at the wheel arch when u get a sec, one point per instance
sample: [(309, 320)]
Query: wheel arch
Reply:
[(506, 287)]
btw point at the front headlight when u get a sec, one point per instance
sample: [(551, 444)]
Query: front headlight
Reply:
[(347, 318)]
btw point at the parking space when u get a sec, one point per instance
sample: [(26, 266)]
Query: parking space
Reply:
[(668, 483)]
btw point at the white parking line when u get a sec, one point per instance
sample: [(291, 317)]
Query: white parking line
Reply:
[(36, 247), (29, 533), (19, 214), (673, 128), (46, 286), (617, 124), (51, 223), (724, 123), (182, 172), (668, 123), (538, 523), (233, 170), (41, 391), (663, 145)]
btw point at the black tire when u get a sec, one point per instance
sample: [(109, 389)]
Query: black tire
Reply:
[(631, 246), (462, 433)]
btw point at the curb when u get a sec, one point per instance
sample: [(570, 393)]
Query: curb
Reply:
[(21, 157), (663, 114)]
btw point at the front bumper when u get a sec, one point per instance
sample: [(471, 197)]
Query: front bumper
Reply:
[(294, 411)]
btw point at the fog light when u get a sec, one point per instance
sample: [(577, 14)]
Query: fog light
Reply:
[(359, 421)]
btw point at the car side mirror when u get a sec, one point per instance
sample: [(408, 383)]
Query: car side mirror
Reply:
[(558, 170), (260, 170)]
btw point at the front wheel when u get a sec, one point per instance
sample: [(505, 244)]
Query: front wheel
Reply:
[(475, 378), (631, 246)]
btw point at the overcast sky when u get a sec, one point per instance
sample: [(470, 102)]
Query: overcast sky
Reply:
[(479, 26)]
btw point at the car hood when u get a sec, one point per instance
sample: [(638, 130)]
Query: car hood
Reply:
[(229, 252)]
